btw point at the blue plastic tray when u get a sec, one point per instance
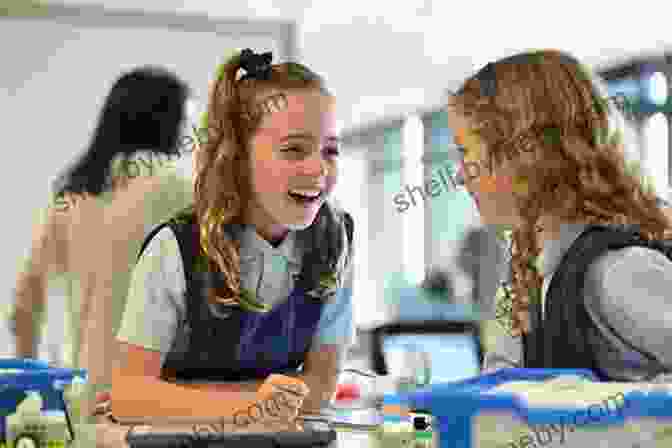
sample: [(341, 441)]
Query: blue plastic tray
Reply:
[(38, 376), (454, 404)]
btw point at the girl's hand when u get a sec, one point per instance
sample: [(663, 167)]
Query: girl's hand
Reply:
[(280, 399)]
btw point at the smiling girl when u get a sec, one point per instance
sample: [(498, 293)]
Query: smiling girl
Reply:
[(591, 281), (255, 280)]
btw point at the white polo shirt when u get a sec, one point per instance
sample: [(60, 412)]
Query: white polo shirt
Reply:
[(155, 314)]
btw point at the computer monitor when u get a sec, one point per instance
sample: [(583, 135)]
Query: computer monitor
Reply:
[(429, 352)]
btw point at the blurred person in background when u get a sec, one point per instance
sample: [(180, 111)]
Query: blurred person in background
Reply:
[(433, 298), (84, 241), (482, 258)]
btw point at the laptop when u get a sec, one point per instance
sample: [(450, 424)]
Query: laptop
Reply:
[(314, 435)]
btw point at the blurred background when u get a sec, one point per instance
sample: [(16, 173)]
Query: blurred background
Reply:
[(389, 64)]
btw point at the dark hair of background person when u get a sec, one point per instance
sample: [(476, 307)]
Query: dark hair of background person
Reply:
[(440, 283), (143, 111)]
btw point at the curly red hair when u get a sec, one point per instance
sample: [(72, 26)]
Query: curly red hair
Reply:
[(235, 109), (545, 112)]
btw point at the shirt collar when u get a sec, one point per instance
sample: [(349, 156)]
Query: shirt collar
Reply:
[(554, 250), (253, 246)]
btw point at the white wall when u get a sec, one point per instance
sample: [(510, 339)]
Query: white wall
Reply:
[(385, 58)]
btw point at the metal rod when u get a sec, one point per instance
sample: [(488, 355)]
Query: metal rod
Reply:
[(344, 425)]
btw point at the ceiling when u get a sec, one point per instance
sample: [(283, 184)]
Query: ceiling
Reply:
[(385, 59)]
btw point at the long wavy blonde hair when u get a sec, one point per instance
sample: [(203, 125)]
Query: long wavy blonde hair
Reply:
[(235, 110), (549, 106)]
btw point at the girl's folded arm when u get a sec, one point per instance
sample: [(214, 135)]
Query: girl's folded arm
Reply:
[(629, 290), (148, 329), (139, 393)]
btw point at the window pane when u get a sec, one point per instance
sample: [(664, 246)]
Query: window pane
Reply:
[(351, 193), (385, 219), (657, 88), (414, 219), (657, 152), (452, 210)]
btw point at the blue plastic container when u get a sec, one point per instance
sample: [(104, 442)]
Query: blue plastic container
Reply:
[(33, 375), (461, 406)]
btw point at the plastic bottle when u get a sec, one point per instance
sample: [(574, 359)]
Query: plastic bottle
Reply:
[(74, 393), (31, 426), (396, 435), (31, 405)]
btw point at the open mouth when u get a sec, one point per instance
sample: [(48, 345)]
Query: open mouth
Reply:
[(306, 197)]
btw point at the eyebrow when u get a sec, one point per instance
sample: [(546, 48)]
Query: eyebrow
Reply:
[(305, 136)]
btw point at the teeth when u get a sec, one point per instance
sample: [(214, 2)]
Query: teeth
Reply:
[(307, 193)]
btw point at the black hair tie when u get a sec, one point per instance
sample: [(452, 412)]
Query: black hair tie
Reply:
[(487, 80), (256, 65)]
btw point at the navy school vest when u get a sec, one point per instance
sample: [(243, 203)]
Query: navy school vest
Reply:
[(563, 338), (230, 344)]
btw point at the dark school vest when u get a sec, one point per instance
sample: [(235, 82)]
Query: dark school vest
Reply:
[(566, 338), (230, 344)]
